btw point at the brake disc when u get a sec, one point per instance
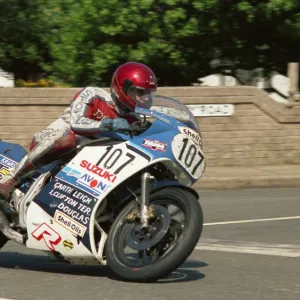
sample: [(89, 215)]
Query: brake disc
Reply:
[(138, 238)]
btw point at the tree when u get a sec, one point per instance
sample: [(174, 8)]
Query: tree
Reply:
[(81, 42), (23, 27), (94, 37), (258, 33)]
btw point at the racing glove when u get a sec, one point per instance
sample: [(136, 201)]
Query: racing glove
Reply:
[(114, 124)]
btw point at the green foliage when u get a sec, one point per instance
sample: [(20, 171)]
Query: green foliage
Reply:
[(81, 42)]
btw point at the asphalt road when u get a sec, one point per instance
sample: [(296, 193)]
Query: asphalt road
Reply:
[(249, 249)]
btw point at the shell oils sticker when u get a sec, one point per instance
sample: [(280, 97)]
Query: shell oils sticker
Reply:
[(68, 244), (69, 223), (192, 134)]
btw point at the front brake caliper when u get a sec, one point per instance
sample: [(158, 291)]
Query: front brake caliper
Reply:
[(135, 214), (131, 217)]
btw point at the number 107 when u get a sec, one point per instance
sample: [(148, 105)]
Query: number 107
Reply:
[(188, 154)]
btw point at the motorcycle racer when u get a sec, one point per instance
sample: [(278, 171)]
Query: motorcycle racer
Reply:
[(91, 110)]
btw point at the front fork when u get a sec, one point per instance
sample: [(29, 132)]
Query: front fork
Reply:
[(145, 212), (145, 209)]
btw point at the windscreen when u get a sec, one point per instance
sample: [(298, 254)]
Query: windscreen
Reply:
[(170, 107)]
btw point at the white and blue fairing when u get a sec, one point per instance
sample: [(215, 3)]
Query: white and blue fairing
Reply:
[(66, 206)]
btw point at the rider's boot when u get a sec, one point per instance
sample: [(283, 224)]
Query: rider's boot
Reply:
[(13, 177)]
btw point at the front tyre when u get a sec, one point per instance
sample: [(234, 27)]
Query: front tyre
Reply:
[(173, 233)]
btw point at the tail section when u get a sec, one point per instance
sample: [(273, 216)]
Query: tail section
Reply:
[(10, 156)]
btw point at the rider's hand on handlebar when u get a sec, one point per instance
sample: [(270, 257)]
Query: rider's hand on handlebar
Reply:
[(114, 124)]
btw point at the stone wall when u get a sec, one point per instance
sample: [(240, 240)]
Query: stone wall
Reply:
[(260, 132)]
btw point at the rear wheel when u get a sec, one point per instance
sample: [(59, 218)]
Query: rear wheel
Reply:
[(175, 227)]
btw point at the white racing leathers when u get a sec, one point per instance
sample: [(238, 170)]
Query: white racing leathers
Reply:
[(82, 118)]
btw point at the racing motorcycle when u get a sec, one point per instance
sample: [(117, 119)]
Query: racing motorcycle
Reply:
[(123, 199)]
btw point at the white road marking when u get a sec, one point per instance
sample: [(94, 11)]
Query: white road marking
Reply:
[(5, 299), (251, 221), (285, 250)]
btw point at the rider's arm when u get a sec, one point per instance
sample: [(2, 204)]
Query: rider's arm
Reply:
[(81, 112)]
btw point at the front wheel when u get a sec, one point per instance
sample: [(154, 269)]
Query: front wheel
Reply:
[(174, 229)]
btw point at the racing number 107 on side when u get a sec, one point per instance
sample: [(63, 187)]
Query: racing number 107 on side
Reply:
[(114, 157), (188, 154)]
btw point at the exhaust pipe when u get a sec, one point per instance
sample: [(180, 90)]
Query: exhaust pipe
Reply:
[(8, 231)]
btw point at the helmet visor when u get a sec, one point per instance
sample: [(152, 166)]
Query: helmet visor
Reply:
[(136, 93)]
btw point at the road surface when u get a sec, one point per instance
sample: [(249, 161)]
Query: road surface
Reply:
[(249, 249)]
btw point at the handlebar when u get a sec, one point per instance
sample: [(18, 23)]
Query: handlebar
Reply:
[(132, 130)]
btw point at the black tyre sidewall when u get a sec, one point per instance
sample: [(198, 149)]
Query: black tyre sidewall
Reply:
[(177, 256)]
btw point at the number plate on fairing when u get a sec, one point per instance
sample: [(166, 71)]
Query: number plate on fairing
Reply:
[(189, 155), (96, 170)]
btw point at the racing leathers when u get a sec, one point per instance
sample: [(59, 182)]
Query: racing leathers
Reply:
[(90, 110)]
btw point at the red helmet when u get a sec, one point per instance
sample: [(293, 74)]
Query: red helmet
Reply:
[(129, 82)]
